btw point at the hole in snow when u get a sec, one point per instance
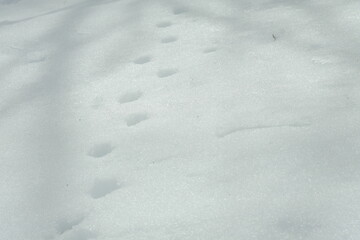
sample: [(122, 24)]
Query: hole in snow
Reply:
[(210, 50), (180, 10), (136, 118), (164, 24), (103, 187), (143, 59), (169, 39), (130, 96), (100, 150), (64, 225), (166, 72)]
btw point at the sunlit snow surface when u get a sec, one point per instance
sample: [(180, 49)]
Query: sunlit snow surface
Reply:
[(179, 120)]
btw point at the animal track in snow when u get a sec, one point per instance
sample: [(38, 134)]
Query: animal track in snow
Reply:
[(143, 59), (164, 24), (130, 97), (65, 225), (100, 150), (103, 187), (166, 72), (210, 50), (179, 10), (136, 118), (169, 39)]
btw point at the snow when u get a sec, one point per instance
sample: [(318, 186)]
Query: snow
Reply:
[(191, 120)]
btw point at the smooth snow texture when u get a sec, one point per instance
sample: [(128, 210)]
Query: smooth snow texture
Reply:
[(191, 120)]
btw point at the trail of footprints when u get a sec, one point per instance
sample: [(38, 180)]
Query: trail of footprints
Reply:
[(102, 187), (132, 96)]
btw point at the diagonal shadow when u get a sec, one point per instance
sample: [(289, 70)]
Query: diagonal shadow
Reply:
[(67, 8)]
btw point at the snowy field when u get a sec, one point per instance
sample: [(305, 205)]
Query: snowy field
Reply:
[(179, 120)]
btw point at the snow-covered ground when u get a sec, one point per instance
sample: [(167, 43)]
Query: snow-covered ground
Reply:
[(179, 120)]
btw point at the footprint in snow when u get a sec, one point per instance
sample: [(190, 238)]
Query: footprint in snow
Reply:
[(164, 24), (130, 96), (103, 187), (100, 150), (143, 59), (180, 10), (64, 225), (136, 118), (209, 50), (166, 72), (169, 39)]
